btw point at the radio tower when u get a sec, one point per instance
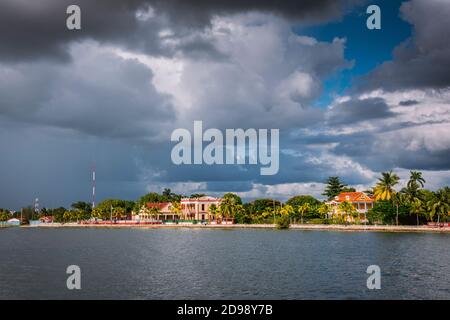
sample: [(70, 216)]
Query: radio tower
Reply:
[(93, 186)]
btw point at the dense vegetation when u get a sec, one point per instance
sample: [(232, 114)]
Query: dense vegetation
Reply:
[(412, 204)]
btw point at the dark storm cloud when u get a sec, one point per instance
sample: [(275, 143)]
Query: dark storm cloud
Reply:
[(55, 166), (407, 103), (99, 94), (37, 29), (225, 186), (387, 148), (199, 12), (357, 110), (424, 60), (374, 155)]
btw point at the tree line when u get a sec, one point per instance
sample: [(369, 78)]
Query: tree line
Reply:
[(412, 204)]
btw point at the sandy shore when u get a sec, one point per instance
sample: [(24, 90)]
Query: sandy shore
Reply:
[(381, 228)]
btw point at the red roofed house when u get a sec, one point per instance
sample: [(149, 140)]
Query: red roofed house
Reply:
[(155, 211), (360, 201)]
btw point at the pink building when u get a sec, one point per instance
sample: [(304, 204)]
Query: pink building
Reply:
[(199, 208)]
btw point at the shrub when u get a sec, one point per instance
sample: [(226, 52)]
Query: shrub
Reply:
[(283, 222)]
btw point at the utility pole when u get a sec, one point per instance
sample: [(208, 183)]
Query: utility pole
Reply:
[(36, 208), (273, 202), (93, 186), (111, 214)]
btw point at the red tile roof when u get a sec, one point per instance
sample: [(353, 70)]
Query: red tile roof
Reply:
[(159, 205), (354, 197)]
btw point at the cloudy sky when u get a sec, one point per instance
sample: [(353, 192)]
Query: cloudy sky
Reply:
[(348, 101)]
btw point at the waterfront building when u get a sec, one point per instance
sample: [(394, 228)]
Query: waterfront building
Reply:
[(155, 211), (360, 201), (190, 209), (199, 208)]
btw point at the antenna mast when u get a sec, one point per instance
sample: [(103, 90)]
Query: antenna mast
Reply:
[(93, 186)]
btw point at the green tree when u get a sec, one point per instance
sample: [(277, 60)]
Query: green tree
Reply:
[(384, 189), (197, 195), (416, 208), (175, 209), (347, 208), (287, 210), (67, 216), (103, 209), (154, 197), (258, 206), (214, 211), (237, 199), (334, 187), (398, 199), (119, 213), (154, 212), (303, 209), (83, 210), (283, 222), (82, 206), (228, 206), (4, 216), (302, 199), (58, 214), (242, 214), (324, 209), (169, 196), (439, 204), (97, 213), (416, 177)]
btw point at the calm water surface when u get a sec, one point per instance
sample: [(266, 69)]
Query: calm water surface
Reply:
[(221, 264)]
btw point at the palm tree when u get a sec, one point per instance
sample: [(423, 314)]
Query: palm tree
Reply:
[(324, 209), (154, 211), (175, 208), (439, 204), (287, 211), (67, 216), (385, 186), (347, 208), (228, 207), (302, 209), (214, 211), (416, 208), (416, 177), (268, 212), (119, 213), (398, 199)]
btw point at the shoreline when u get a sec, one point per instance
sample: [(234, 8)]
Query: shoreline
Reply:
[(304, 227)]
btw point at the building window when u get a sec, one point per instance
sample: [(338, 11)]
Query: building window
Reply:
[(203, 207)]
